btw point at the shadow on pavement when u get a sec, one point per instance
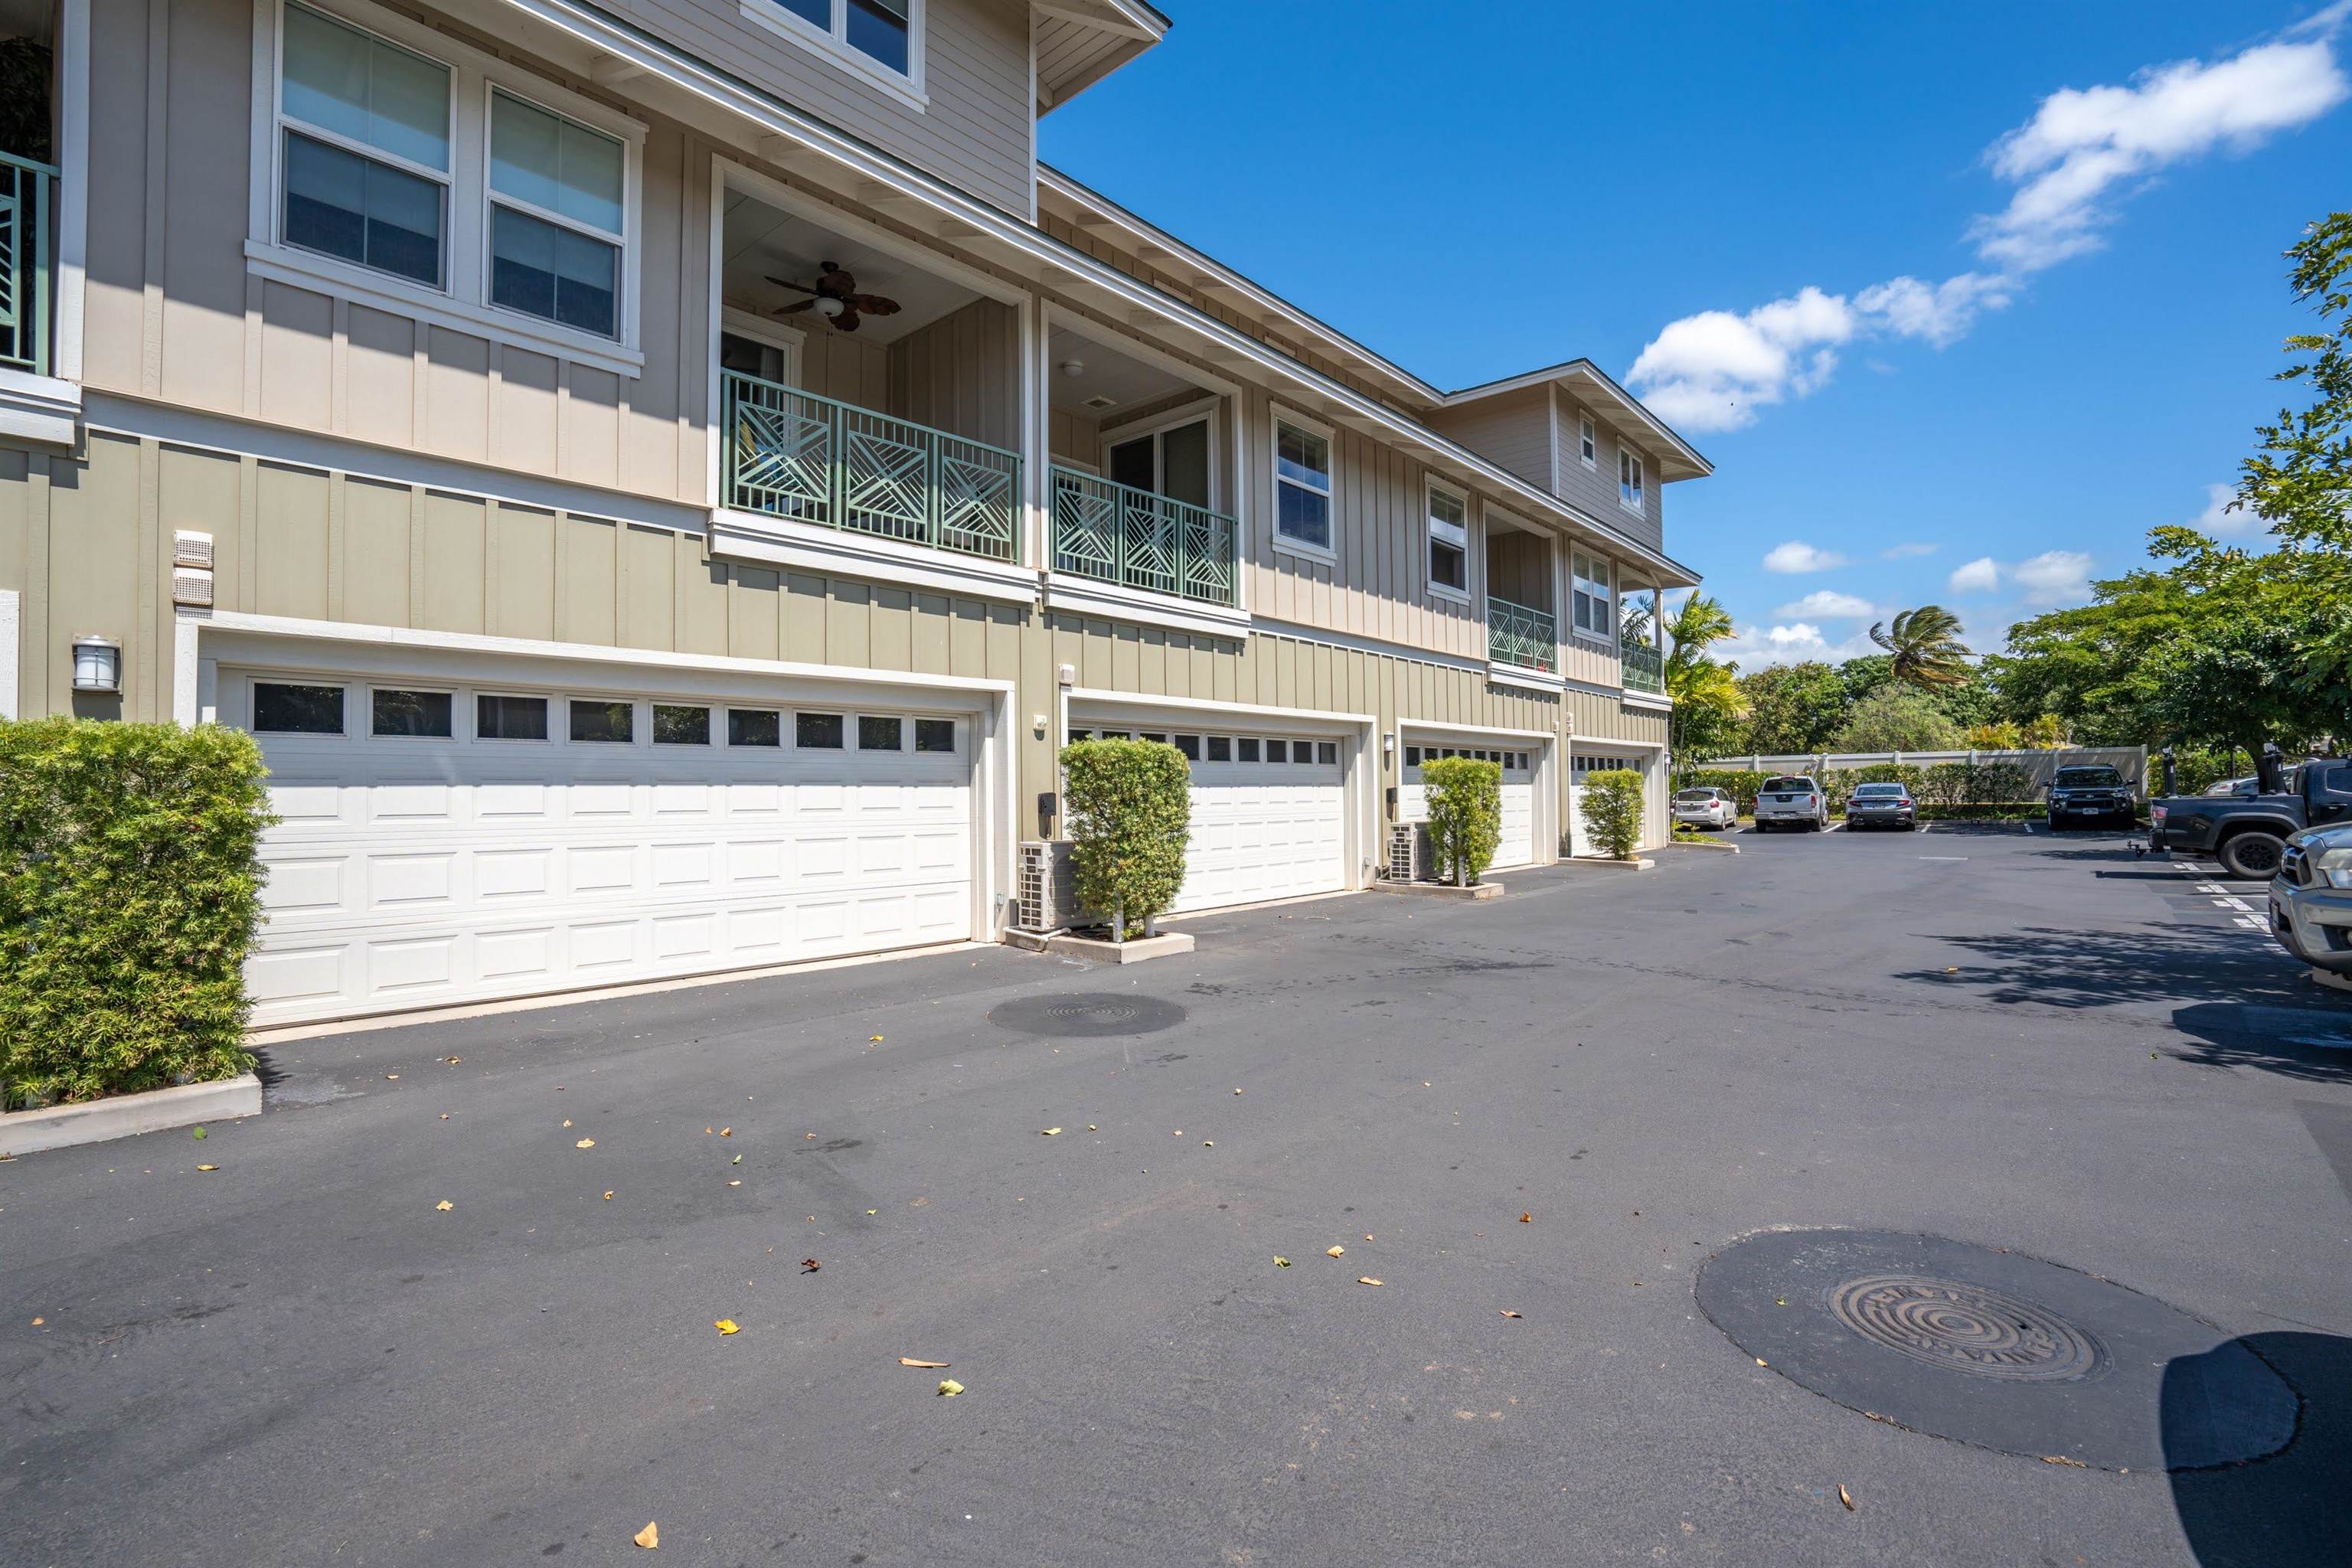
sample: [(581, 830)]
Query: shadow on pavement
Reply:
[(2314, 1044), (2288, 1511), (2104, 968)]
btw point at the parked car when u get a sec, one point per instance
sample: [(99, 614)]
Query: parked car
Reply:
[(1705, 807), (2310, 898), (1881, 805), (1791, 800), (2248, 833), (2088, 792)]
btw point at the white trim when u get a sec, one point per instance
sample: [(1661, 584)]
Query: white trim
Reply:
[(790, 341), (1082, 696), (835, 48), (1475, 731), (789, 127), (1648, 699), (40, 409), (1627, 457), (1379, 648), (626, 261), (1588, 440), (12, 628), (867, 557), (1521, 675), (1579, 741), (1068, 593), (71, 210)]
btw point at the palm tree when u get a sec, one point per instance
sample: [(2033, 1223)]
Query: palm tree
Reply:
[(1705, 695), (1927, 647)]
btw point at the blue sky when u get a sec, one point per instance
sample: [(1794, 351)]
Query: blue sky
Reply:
[(2042, 241)]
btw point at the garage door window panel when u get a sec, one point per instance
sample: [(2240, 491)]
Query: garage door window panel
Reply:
[(597, 722), (881, 732), (675, 724), (510, 718), (936, 736), (818, 731), (289, 707), (423, 715)]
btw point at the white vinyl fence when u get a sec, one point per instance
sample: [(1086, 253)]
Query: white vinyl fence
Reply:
[(2039, 766)]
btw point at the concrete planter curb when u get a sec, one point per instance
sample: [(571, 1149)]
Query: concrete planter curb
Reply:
[(1640, 865), (125, 1115), (1705, 844), (1440, 890), (1142, 948)]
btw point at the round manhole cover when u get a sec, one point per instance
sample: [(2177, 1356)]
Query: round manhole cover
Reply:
[(1085, 1017), (1965, 1327), (1996, 1349)]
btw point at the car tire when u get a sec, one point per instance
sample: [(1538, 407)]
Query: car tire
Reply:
[(2251, 856)]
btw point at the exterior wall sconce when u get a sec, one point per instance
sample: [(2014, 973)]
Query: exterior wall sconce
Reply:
[(97, 664)]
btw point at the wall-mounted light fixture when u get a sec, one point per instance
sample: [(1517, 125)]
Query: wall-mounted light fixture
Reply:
[(97, 664)]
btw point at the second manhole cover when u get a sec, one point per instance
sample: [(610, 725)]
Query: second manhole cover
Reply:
[(1085, 1017)]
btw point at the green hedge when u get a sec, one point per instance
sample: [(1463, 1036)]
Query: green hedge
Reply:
[(130, 893), (1612, 810), (1465, 815), (1938, 784), (1129, 808)]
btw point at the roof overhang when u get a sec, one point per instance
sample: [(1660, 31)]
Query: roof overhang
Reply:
[(1624, 412), (1076, 43)]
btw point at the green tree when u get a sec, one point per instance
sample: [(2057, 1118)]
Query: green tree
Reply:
[(1128, 805), (1897, 719), (1705, 721), (1612, 810), (1792, 708), (1925, 646), (1465, 814)]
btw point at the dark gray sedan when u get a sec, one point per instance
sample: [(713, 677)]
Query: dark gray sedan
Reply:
[(1881, 805)]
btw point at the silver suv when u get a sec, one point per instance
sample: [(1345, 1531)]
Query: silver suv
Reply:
[(1791, 800)]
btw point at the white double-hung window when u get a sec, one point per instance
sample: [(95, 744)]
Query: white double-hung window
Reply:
[(365, 135), (1449, 544), (881, 40), (558, 216), (1595, 615), (1587, 443), (1302, 487), (1629, 480)]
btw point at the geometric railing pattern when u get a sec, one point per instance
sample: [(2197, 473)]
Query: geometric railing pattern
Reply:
[(1644, 666), (793, 454), (24, 205), (1120, 534), (1519, 635)]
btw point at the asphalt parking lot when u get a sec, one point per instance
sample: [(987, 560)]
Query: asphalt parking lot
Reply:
[(2060, 1074)]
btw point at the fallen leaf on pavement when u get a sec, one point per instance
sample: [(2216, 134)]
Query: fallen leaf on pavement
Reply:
[(736, 1181), (917, 1361), (38, 1321), (1846, 1498), (207, 1167), (736, 1161), (585, 1143), (453, 1061), (873, 1040), (2062, 1459), (727, 1133), (951, 1387), (649, 1537), (1367, 1280), (810, 1265), (444, 1205), (1948, 969), (445, 1116), (1090, 1126), (1335, 1252), (1208, 1143), (1052, 1132), (1508, 1313), (728, 1326), (1237, 1092), (873, 1211), (392, 1077), (608, 1197), (567, 1122), (197, 1133), (1526, 1219), (1178, 1133), (1280, 1261)]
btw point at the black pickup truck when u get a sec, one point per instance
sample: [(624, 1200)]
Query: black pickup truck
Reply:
[(2247, 832)]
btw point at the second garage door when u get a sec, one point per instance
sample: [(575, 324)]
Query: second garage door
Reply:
[(457, 842), (1516, 844), (1269, 815)]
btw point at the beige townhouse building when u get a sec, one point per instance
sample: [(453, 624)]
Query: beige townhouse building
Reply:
[(661, 478)]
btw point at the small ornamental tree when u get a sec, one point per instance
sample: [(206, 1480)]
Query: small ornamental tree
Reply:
[(1129, 808), (130, 893), (1465, 814), (1612, 810)]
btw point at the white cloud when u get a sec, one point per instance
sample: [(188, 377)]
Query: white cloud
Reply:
[(1979, 576), (1911, 549), (1753, 647), (2081, 150), (2054, 577), (1828, 604), (2214, 520), (1797, 556), (2082, 143)]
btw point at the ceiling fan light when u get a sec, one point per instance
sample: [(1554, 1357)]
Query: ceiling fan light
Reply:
[(827, 306), (1073, 367)]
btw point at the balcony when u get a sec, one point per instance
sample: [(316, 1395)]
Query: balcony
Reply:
[(25, 205), (1116, 533), (1644, 666), (793, 454), (1516, 635)]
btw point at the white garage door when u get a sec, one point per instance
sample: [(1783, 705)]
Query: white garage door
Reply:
[(1583, 762), (1516, 846), (443, 843), (1269, 816)]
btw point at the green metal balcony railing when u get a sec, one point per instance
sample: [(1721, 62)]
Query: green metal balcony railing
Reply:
[(1139, 540), (793, 454), (1646, 668), (26, 200), (1519, 635)]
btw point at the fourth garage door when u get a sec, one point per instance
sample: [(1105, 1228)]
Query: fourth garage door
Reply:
[(445, 842), (1269, 815)]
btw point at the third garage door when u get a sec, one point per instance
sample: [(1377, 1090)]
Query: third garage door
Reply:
[(1269, 815), (1516, 844)]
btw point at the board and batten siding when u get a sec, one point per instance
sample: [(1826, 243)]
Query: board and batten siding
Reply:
[(974, 130), (1595, 489)]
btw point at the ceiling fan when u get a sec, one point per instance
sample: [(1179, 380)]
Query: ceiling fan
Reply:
[(835, 297)]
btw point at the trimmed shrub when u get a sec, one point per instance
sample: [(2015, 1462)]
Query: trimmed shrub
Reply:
[(130, 894), (1465, 815), (1612, 810), (1129, 806)]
